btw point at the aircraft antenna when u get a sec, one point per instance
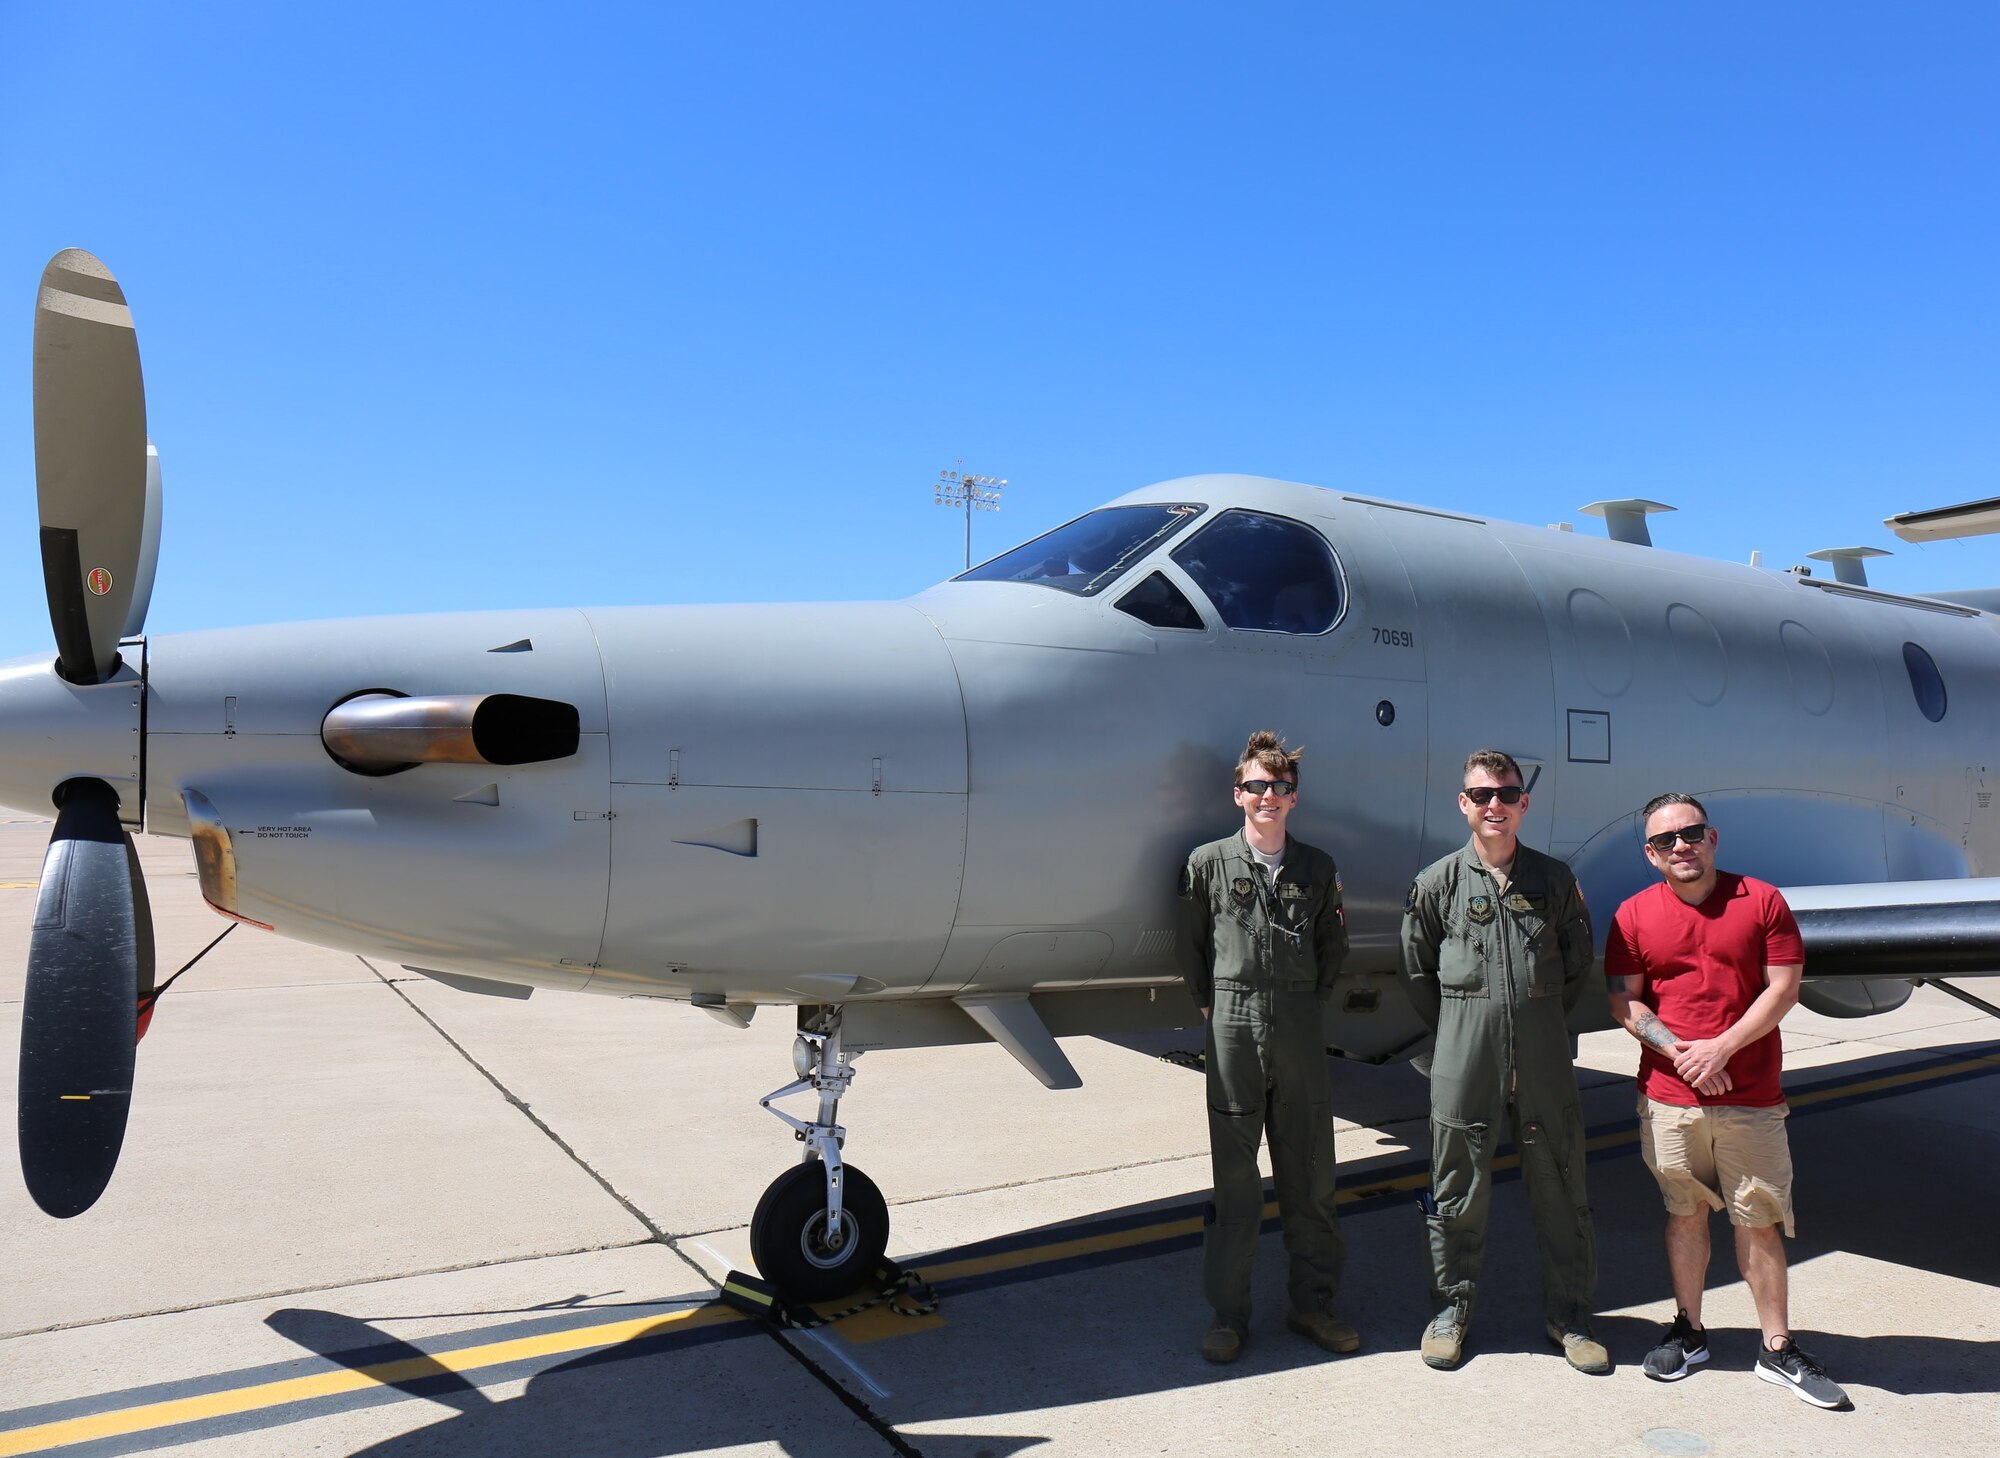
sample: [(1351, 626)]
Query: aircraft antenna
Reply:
[(974, 493)]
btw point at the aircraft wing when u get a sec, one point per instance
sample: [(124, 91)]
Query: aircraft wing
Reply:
[(1903, 929)]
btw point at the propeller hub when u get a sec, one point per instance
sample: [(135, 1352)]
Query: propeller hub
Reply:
[(52, 730)]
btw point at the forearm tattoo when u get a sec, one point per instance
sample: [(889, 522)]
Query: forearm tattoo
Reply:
[(1648, 1029)]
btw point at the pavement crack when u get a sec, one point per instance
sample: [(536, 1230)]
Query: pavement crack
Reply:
[(548, 1132), (282, 1293), (881, 1426), (1048, 1179)]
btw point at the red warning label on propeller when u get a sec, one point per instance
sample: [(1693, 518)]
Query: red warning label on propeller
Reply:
[(99, 581)]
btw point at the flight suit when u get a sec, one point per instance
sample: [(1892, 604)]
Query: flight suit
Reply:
[(1262, 958), (1495, 974)]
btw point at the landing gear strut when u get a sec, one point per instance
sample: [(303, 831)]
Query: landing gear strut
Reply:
[(822, 1226)]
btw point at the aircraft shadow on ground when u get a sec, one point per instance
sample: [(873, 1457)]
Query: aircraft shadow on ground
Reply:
[(663, 1392), (1887, 1175)]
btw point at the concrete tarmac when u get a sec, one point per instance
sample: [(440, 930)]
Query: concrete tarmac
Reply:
[(361, 1213)]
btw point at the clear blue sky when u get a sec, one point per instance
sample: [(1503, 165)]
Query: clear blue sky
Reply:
[(490, 305)]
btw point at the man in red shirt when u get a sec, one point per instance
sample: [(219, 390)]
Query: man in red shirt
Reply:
[(1702, 967)]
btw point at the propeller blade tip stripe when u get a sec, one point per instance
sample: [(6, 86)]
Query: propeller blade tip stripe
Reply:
[(77, 306)]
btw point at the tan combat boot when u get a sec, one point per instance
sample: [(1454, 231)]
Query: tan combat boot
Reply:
[(1224, 1343), (1324, 1330), (1444, 1340), (1580, 1348)]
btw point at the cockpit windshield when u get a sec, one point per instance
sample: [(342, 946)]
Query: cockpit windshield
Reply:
[(1089, 554)]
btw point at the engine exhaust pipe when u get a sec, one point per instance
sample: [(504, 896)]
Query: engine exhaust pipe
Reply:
[(381, 732)]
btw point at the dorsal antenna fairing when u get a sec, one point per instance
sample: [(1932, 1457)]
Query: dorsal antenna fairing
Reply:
[(1849, 563), (1625, 520)]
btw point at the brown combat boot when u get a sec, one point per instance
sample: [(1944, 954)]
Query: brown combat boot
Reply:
[(1224, 1343), (1324, 1330)]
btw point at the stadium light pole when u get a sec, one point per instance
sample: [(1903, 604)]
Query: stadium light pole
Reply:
[(974, 493)]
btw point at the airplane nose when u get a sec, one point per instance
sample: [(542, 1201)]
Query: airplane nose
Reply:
[(52, 730)]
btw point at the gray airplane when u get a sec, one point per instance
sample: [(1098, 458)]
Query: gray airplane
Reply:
[(960, 817)]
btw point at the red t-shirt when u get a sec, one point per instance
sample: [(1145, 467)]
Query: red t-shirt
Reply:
[(1700, 968)]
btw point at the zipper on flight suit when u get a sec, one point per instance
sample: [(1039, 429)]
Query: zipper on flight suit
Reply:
[(1502, 925)]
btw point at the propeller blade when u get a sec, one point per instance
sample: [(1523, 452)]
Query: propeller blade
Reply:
[(90, 954), (90, 462), (149, 549)]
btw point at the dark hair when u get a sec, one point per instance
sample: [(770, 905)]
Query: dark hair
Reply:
[(1267, 751), (1672, 797), (1496, 762)]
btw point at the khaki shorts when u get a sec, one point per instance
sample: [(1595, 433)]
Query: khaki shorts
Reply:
[(1721, 1157)]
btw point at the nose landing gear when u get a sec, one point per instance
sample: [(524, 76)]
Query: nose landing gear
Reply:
[(822, 1226)]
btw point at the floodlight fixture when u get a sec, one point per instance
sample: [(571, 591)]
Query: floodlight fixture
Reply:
[(972, 492)]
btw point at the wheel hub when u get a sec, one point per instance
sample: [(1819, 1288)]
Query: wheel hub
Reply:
[(824, 1248)]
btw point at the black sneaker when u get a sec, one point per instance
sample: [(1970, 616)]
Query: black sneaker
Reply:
[(1790, 1367), (1683, 1347)]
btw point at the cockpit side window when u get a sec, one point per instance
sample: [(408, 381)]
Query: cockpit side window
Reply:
[(1089, 554), (1265, 573), (1157, 602)]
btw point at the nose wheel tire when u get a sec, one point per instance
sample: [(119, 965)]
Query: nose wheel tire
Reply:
[(796, 1252)]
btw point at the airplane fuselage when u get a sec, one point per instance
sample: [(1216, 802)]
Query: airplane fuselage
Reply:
[(989, 788)]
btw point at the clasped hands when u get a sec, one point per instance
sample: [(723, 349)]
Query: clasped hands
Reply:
[(1703, 1064)]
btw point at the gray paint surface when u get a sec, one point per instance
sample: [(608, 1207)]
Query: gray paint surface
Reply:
[(988, 789)]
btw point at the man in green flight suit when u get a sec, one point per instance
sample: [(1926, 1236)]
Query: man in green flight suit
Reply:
[(1496, 951), (1260, 939)]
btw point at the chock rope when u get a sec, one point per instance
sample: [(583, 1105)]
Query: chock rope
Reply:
[(906, 1292)]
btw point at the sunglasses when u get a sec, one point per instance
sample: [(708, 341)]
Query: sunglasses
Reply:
[(1687, 835), (1260, 787), (1484, 794)]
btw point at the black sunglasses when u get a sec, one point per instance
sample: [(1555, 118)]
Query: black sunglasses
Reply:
[(1687, 834), (1258, 787), (1482, 794)]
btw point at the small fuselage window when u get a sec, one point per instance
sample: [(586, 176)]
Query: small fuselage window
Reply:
[(1925, 682), (1265, 573), (1089, 554)]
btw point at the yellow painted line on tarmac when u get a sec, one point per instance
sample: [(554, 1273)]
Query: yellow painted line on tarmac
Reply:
[(123, 1422), (1894, 1080), (18, 885), (149, 1416), (880, 1324), (1062, 1250), (1088, 1245), (1409, 1183)]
